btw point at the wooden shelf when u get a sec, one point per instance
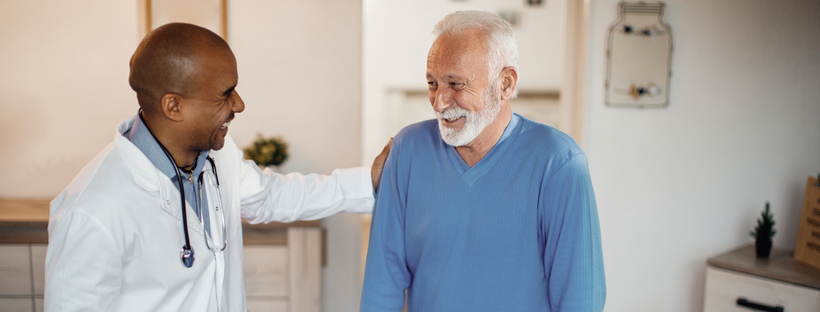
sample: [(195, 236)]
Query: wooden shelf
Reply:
[(25, 221), (780, 266)]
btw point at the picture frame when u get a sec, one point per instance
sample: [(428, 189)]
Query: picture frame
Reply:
[(211, 14)]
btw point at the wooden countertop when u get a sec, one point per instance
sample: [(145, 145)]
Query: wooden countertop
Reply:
[(25, 221), (24, 209), (780, 266)]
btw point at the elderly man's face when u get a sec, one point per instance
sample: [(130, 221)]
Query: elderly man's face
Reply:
[(464, 100), (215, 100)]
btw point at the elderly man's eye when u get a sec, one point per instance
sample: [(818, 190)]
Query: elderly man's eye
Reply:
[(456, 85), (431, 85)]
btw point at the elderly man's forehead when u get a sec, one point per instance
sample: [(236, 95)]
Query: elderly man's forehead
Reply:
[(465, 42), (457, 53)]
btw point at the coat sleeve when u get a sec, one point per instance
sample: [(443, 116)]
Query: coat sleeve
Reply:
[(83, 266), (267, 196), (386, 274), (573, 259)]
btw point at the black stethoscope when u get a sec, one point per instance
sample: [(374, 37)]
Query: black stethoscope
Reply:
[(187, 253)]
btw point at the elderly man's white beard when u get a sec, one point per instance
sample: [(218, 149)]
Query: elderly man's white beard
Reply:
[(474, 122)]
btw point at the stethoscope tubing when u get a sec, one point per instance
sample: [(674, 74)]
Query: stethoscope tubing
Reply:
[(187, 253), (219, 202)]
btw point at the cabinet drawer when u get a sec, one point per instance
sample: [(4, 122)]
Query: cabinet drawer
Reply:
[(724, 287)]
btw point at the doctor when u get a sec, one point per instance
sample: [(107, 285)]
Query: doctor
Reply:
[(153, 223)]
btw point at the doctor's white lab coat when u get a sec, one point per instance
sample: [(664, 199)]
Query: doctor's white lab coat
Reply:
[(115, 233)]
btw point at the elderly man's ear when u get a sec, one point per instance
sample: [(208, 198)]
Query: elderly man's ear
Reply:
[(509, 79)]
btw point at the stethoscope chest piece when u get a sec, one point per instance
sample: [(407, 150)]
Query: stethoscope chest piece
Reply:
[(187, 255)]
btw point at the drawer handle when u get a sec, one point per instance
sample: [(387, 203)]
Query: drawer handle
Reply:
[(758, 306)]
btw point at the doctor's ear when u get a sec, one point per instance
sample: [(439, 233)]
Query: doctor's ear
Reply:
[(170, 106)]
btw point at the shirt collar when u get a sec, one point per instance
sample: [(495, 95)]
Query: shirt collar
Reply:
[(510, 126), (141, 136)]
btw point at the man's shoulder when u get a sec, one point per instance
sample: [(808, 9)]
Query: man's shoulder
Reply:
[(100, 183), (423, 131), (421, 128), (546, 139)]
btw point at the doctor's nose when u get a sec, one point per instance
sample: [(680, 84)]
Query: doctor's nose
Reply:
[(238, 104)]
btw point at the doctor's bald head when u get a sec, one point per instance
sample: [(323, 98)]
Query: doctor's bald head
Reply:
[(167, 60)]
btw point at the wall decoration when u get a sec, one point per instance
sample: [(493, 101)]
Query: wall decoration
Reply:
[(639, 57), (211, 14)]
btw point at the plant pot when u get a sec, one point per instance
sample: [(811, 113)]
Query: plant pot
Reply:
[(763, 248)]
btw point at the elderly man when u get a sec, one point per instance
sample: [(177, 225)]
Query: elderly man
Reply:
[(153, 223), (482, 209)]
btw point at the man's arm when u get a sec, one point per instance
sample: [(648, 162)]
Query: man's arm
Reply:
[(83, 266), (386, 275), (573, 260), (269, 196)]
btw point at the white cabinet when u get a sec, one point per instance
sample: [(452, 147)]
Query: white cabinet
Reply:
[(21, 277), (283, 277), (738, 281)]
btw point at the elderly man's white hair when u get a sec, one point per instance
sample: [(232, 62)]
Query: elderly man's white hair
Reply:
[(502, 50)]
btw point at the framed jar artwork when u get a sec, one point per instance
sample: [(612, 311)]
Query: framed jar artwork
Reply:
[(639, 58)]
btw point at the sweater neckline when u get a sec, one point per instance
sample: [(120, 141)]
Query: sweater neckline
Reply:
[(471, 175)]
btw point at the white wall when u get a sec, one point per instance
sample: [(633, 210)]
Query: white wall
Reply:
[(64, 80), (300, 76), (678, 185)]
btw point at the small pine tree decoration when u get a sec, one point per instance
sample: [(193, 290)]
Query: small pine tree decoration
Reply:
[(763, 233), (765, 226), (267, 151)]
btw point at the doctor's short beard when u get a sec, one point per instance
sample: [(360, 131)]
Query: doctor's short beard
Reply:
[(475, 122)]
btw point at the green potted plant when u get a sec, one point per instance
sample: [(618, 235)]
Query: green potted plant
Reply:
[(266, 152), (763, 233)]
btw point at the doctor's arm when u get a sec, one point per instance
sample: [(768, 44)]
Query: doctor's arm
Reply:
[(573, 259), (269, 196), (386, 274), (83, 265)]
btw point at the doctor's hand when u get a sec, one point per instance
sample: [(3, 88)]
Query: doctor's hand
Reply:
[(378, 165)]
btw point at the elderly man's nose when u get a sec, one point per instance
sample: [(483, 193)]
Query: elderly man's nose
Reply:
[(441, 101)]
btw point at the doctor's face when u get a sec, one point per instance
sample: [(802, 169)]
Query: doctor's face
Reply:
[(214, 102)]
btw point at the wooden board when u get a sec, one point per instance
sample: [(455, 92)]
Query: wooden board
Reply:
[(24, 209), (24, 220), (780, 266), (807, 249)]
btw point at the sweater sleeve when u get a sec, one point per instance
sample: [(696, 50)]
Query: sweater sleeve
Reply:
[(386, 274), (573, 259)]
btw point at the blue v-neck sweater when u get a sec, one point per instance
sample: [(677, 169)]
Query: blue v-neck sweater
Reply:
[(518, 231)]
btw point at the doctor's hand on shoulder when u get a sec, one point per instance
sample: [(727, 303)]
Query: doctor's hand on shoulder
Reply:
[(378, 164)]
